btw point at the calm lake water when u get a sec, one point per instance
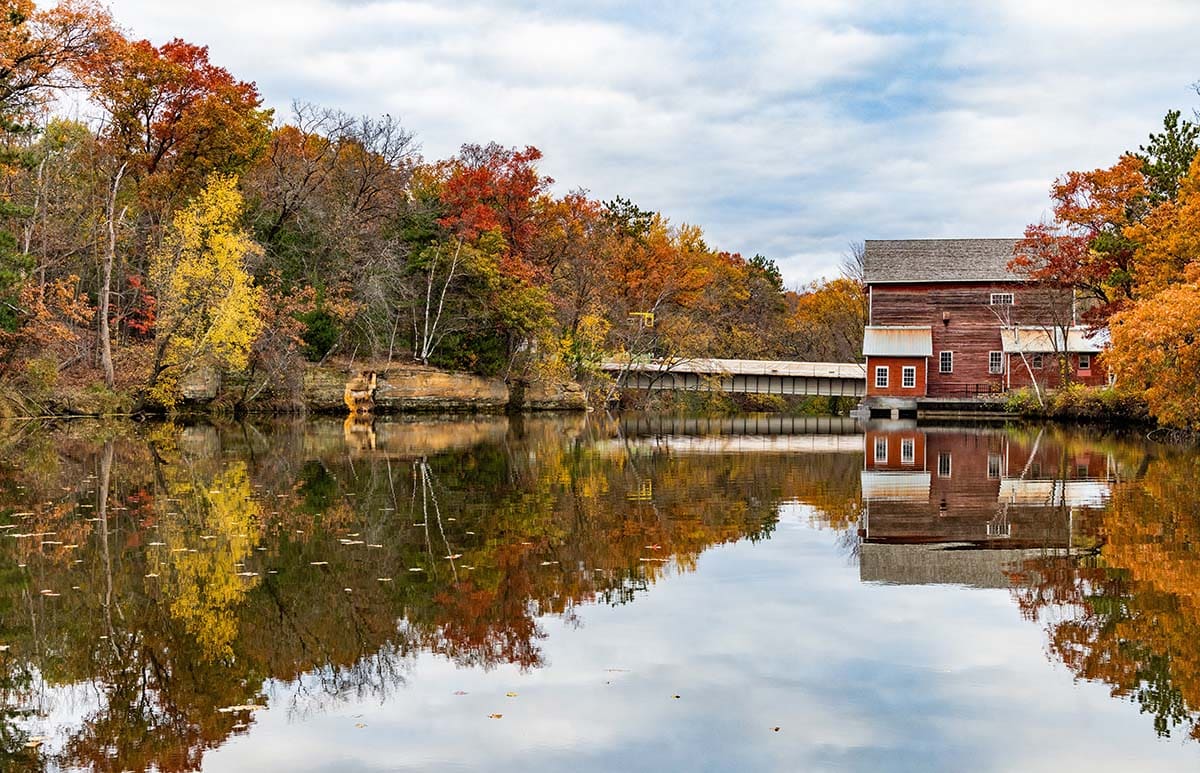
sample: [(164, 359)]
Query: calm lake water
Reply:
[(596, 594)]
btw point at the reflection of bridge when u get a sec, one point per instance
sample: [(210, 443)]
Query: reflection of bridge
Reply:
[(741, 434), (759, 377)]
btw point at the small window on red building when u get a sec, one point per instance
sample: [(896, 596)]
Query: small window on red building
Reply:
[(881, 450), (1037, 362), (946, 362), (1085, 362), (908, 377), (944, 464), (995, 362), (881, 377), (907, 451)]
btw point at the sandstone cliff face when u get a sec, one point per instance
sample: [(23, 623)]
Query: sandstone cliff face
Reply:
[(417, 389)]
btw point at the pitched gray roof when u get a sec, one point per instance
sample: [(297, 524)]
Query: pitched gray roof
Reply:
[(938, 260)]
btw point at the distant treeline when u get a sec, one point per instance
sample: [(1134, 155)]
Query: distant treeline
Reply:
[(181, 224)]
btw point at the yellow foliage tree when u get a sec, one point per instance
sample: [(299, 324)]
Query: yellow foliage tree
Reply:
[(1168, 238), (208, 304), (1156, 347)]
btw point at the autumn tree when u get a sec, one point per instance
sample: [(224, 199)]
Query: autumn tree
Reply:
[(1168, 155), (826, 321), (1084, 247), (208, 304)]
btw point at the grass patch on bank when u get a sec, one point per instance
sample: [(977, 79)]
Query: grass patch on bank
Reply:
[(1079, 402)]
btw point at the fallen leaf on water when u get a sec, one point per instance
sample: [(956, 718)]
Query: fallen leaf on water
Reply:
[(654, 547), (318, 563), (360, 724), (453, 556), (495, 716), (674, 696), (416, 569), (348, 590), (384, 579), (241, 707), (510, 694), (775, 729), (374, 546), (460, 692)]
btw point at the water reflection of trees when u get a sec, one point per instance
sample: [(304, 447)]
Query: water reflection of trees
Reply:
[(1127, 613), (190, 569)]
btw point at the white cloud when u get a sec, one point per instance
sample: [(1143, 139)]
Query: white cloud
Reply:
[(783, 128)]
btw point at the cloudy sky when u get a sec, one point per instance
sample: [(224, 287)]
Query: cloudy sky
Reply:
[(783, 128)]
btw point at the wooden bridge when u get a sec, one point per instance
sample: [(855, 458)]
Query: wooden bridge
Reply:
[(760, 377)]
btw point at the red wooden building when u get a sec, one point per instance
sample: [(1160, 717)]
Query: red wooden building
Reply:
[(948, 319)]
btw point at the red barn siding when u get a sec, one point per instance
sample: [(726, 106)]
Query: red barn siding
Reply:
[(895, 366), (963, 321)]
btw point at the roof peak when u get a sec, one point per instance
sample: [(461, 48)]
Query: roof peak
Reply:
[(938, 260)]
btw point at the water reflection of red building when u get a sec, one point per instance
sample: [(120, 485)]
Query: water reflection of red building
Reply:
[(985, 489)]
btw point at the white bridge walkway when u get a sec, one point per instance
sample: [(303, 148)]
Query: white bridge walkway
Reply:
[(761, 377)]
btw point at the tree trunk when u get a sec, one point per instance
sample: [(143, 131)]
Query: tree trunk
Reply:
[(110, 257)]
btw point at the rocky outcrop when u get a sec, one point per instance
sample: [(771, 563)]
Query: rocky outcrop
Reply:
[(550, 396), (418, 389)]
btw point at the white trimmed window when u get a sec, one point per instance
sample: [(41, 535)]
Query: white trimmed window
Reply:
[(945, 362), (1085, 362), (907, 451), (944, 464), (1002, 299), (908, 377), (881, 450), (995, 362), (1037, 362), (994, 461), (881, 376)]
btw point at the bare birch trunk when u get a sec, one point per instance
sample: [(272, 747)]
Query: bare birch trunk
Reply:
[(110, 257)]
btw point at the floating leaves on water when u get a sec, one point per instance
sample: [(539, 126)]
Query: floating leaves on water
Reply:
[(416, 569), (152, 574), (654, 547), (776, 729), (470, 533), (374, 546), (208, 536), (247, 574), (384, 579), (654, 560), (510, 695), (241, 707), (348, 590), (50, 594), (318, 563), (360, 724), (495, 716), (676, 696), (460, 692), (453, 556), (156, 544)]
